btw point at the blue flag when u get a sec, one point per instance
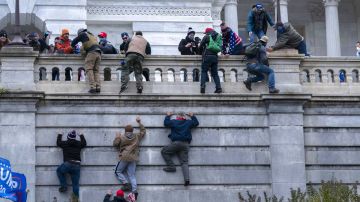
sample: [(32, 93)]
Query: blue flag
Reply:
[(12, 185)]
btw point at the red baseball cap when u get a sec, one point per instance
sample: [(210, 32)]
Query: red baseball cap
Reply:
[(102, 35), (120, 193), (207, 30)]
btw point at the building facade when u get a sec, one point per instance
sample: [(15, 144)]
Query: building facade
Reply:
[(330, 27)]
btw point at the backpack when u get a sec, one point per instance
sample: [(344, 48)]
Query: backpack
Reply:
[(215, 46), (252, 49)]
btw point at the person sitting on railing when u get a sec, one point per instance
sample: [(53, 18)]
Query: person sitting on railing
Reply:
[(232, 43), (64, 44), (288, 37), (125, 37), (258, 65), (189, 45), (105, 45), (4, 40), (135, 50), (93, 57)]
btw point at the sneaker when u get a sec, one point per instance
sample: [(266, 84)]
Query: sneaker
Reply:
[(274, 91), (219, 90), (123, 89), (62, 189), (247, 84), (126, 187), (92, 90), (139, 90), (202, 90), (187, 183), (169, 169), (98, 90)]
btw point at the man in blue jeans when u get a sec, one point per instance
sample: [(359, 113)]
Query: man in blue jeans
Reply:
[(259, 65), (257, 22), (71, 154), (180, 142)]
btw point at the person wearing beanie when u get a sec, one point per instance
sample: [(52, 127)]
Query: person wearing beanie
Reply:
[(210, 46), (71, 155), (189, 45), (258, 65), (91, 46), (136, 50), (44, 43), (126, 39), (64, 45), (232, 43), (4, 40), (180, 137), (105, 45), (257, 22), (119, 197), (128, 145), (288, 37)]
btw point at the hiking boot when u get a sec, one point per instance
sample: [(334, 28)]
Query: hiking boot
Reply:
[(92, 90), (170, 169), (202, 90), (274, 91), (62, 189), (98, 90), (247, 84), (126, 187), (123, 89), (187, 183), (219, 90), (139, 90), (74, 198), (136, 194)]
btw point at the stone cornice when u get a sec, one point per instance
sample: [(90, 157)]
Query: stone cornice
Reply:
[(158, 11), (331, 2)]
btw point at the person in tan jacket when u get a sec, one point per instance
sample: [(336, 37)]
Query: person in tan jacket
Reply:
[(128, 144), (135, 50)]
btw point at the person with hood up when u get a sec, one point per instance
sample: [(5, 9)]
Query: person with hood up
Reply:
[(128, 145), (257, 22), (44, 43), (92, 49), (4, 40), (210, 46), (136, 50), (232, 43), (105, 45), (189, 45), (126, 39), (288, 37), (71, 154), (64, 44), (180, 137), (118, 198)]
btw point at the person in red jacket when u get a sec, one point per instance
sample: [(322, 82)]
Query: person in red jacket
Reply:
[(64, 44)]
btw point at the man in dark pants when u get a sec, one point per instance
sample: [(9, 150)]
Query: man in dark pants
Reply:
[(210, 59), (180, 139), (135, 50), (71, 154), (258, 65), (93, 57)]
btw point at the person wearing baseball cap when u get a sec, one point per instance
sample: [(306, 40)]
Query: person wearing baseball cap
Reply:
[(71, 154), (119, 197), (258, 65), (257, 22)]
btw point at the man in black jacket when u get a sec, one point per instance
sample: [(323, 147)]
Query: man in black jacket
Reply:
[(71, 154), (118, 198), (189, 45)]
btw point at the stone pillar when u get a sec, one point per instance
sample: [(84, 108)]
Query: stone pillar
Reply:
[(17, 134), (231, 16), (287, 149), (283, 10), (17, 68), (332, 28)]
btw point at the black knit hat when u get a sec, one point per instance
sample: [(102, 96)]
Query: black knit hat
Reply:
[(190, 31), (3, 33)]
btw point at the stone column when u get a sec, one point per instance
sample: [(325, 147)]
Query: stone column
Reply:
[(17, 134), (231, 16), (17, 68), (283, 10), (332, 28), (287, 147)]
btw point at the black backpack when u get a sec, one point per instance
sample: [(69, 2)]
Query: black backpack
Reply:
[(252, 49)]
